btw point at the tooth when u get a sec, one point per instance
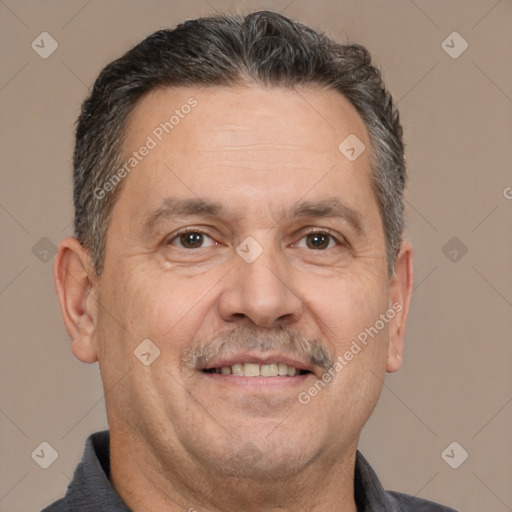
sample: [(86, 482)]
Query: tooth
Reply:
[(269, 370), (251, 370), (282, 369), (256, 370), (237, 369)]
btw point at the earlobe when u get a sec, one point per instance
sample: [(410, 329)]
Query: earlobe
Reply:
[(74, 283), (400, 293)]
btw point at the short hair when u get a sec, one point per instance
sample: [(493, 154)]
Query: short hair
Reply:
[(263, 48)]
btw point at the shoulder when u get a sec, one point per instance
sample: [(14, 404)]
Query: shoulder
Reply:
[(371, 496), (58, 506), (90, 488), (407, 503)]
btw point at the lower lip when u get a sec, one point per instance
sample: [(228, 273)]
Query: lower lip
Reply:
[(258, 382)]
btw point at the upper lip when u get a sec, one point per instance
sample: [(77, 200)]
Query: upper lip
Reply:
[(248, 357)]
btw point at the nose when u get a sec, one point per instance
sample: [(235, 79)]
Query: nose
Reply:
[(261, 292)]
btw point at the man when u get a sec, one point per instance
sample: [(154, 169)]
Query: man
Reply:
[(238, 271)]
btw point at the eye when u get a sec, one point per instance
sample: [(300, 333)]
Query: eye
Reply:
[(192, 240), (318, 240)]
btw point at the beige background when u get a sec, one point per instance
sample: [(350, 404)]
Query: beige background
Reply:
[(457, 115)]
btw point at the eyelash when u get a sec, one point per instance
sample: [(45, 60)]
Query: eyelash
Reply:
[(184, 232), (316, 231), (310, 231)]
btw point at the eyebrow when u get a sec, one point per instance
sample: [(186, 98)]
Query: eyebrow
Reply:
[(329, 208), (326, 208), (173, 207)]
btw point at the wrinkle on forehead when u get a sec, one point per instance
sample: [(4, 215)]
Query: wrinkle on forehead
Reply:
[(226, 112)]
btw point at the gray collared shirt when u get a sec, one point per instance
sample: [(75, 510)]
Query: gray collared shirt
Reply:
[(91, 490)]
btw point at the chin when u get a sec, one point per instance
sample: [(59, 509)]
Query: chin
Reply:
[(260, 459)]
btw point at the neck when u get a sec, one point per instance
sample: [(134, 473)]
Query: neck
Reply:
[(146, 483)]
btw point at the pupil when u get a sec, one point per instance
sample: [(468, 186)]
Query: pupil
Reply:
[(318, 240), (191, 239)]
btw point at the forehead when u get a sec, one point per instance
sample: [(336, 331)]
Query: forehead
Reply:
[(315, 119), (246, 143)]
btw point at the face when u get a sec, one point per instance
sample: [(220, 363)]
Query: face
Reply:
[(250, 251)]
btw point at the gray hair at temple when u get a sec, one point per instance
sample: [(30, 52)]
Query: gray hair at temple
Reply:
[(263, 48)]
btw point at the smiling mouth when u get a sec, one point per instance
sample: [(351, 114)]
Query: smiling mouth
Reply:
[(258, 370)]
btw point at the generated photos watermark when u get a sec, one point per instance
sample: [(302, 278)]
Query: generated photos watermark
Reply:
[(357, 346), (152, 141)]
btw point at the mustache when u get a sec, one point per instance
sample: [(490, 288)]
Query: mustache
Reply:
[(280, 339)]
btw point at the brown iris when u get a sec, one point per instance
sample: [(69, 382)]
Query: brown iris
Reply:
[(317, 240), (191, 240)]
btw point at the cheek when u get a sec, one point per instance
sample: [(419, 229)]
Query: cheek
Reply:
[(155, 304), (348, 307), (145, 305), (359, 340)]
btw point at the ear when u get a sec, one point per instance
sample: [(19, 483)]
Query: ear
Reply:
[(400, 294), (75, 284)]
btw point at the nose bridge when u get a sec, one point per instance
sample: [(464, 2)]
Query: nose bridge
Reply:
[(259, 288)]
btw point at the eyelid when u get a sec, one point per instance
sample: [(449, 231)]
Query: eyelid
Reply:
[(339, 239), (173, 236)]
